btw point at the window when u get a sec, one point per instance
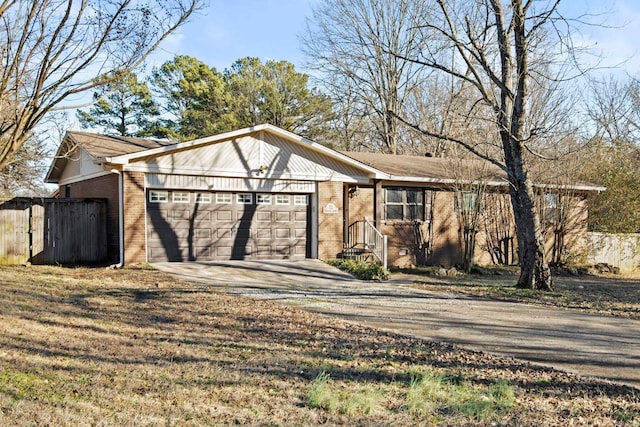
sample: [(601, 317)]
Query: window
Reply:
[(263, 199), (300, 200), (244, 198), (180, 197), (203, 198), (405, 204), (224, 198), (282, 199), (158, 196), (466, 202), (551, 208)]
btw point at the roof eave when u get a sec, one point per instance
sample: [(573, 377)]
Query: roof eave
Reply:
[(446, 181), (574, 187), (50, 177)]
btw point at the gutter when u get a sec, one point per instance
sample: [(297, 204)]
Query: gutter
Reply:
[(120, 263)]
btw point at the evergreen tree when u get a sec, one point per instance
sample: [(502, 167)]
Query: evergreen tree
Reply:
[(194, 98), (123, 107)]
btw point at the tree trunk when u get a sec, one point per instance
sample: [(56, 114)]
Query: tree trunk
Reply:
[(534, 271)]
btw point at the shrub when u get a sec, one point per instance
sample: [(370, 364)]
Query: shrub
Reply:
[(361, 269)]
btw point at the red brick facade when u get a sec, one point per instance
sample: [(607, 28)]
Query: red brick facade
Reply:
[(134, 218), (330, 219), (409, 243)]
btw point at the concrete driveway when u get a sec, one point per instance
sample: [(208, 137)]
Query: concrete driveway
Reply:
[(591, 345)]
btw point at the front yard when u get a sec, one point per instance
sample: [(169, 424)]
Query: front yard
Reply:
[(135, 347), (609, 294)]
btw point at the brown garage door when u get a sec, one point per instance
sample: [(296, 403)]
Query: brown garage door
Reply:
[(208, 226)]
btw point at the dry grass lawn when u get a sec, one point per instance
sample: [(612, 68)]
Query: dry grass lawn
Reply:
[(134, 347), (610, 294)]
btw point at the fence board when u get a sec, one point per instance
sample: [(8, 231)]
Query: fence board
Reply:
[(618, 250), (52, 231)]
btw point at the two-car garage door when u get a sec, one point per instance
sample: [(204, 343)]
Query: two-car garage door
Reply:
[(213, 226)]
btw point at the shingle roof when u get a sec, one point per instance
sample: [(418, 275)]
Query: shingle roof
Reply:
[(109, 146), (434, 168), (399, 167)]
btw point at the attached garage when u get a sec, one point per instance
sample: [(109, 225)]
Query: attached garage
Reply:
[(187, 225), (255, 193)]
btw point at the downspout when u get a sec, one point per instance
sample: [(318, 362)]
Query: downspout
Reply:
[(120, 219)]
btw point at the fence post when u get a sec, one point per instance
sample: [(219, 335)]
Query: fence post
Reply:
[(30, 232)]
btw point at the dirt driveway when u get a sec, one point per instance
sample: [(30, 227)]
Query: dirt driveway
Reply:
[(592, 345)]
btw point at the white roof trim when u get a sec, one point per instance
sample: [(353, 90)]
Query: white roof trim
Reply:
[(126, 158), (576, 187), (80, 178), (445, 181), (451, 181), (58, 156)]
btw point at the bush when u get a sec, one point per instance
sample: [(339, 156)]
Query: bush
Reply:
[(361, 269)]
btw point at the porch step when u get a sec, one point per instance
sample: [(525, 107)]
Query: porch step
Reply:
[(359, 254)]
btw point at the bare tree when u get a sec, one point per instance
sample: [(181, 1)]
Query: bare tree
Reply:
[(502, 50), (52, 50), (350, 41)]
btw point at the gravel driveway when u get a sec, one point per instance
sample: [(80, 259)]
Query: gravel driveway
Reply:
[(592, 345)]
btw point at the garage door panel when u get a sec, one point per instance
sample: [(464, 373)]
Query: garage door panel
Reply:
[(240, 252), (264, 216), (283, 233), (284, 251), (224, 233), (223, 252), (204, 233), (225, 215), (264, 233), (203, 216), (179, 234), (300, 251), (283, 216), (204, 252), (181, 224), (180, 214)]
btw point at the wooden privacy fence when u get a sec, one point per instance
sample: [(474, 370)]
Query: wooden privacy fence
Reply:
[(52, 231), (618, 250)]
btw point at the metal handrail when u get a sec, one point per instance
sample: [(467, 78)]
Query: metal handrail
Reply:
[(366, 234)]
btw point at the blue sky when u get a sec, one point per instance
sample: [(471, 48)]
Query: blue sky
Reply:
[(231, 29)]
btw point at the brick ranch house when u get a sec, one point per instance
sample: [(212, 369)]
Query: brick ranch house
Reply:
[(266, 193)]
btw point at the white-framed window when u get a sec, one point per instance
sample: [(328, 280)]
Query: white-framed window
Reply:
[(224, 198), (282, 199), (203, 198), (180, 197), (244, 198), (263, 199), (551, 203), (301, 200), (404, 204), (158, 196), (467, 202)]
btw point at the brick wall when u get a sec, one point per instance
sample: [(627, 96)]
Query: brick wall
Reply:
[(102, 187), (134, 217), (445, 249), (330, 224), (361, 204)]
